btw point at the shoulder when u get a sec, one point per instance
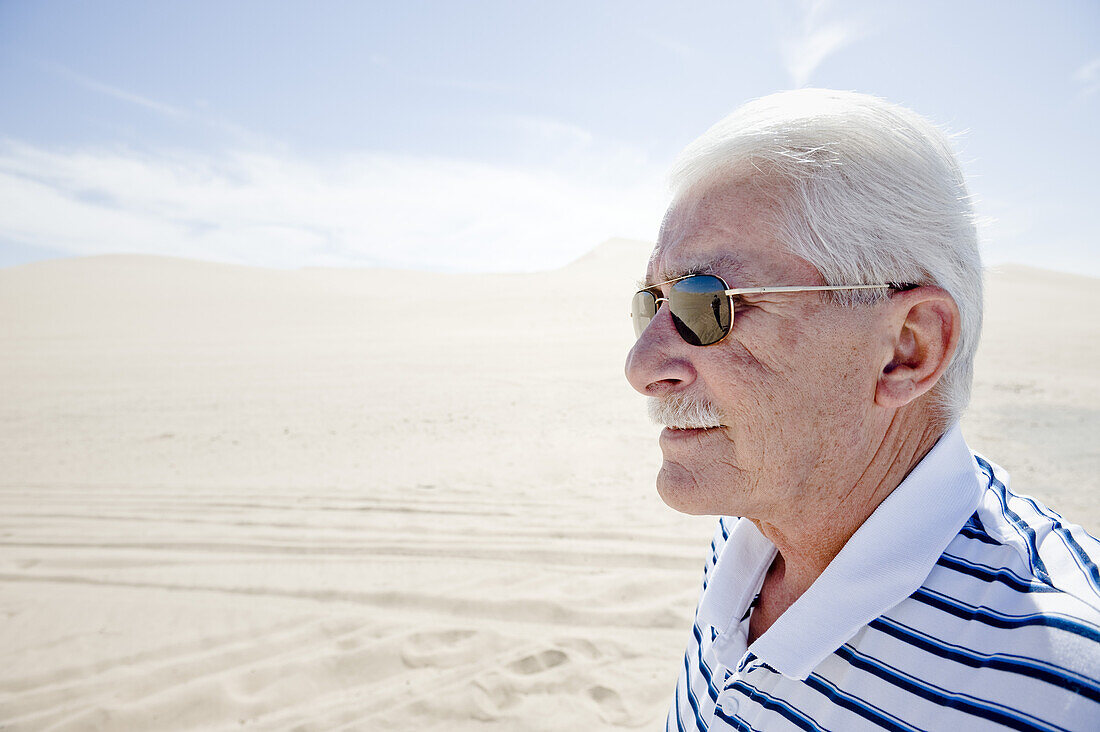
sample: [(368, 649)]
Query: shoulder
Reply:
[(1014, 598), (1009, 617), (1036, 540)]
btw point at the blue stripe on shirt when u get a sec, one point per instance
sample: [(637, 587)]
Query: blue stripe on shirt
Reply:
[(1079, 554), (1022, 528), (861, 707), (944, 698), (708, 675), (771, 703), (979, 535), (676, 703), (1009, 663), (988, 616), (986, 573), (699, 723), (1080, 557)]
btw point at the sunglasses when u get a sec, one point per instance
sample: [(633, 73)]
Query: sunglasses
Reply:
[(702, 305)]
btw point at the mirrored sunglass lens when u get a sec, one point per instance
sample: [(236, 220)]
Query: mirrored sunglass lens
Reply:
[(700, 309), (642, 310)]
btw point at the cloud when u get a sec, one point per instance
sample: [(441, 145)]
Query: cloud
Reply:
[(361, 208), (1088, 76), (546, 130), (179, 114), (261, 205), (817, 39), (121, 94)]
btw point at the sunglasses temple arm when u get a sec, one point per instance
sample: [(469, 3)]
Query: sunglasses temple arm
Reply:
[(815, 288)]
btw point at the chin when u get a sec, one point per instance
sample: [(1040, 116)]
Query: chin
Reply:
[(680, 492)]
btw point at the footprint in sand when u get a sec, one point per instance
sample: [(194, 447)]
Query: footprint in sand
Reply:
[(440, 649), (538, 662), (493, 694), (610, 704), (497, 691)]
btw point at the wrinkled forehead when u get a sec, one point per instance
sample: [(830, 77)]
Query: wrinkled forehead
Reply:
[(666, 269), (722, 229)]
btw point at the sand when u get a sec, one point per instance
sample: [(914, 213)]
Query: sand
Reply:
[(388, 500)]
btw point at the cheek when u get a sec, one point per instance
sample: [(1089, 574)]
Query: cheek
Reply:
[(793, 392), (759, 372), (821, 355), (832, 397), (796, 342)]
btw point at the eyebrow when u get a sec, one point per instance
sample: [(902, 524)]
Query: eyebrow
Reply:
[(724, 264)]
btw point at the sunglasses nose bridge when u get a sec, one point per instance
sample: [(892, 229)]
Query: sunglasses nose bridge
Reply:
[(659, 311), (657, 303)]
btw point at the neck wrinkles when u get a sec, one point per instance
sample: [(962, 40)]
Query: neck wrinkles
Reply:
[(808, 541)]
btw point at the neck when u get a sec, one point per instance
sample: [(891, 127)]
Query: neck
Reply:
[(813, 531)]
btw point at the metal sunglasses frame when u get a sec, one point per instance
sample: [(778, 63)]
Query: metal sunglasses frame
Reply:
[(734, 292)]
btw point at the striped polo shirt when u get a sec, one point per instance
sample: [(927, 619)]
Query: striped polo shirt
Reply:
[(958, 605)]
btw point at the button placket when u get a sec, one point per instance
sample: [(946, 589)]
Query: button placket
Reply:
[(729, 698)]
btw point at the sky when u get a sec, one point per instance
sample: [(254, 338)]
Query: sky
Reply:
[(497, 136)]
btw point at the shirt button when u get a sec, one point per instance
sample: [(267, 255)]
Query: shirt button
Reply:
[(728, 701)]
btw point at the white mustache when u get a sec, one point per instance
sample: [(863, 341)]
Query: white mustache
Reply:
[(684, 411)]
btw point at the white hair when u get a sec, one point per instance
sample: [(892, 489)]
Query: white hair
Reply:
[(866, 191), (684, 410)]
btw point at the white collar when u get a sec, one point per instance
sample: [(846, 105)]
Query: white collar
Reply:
[(884, 562)]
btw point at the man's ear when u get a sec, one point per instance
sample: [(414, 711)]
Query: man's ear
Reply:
[(924, 332)]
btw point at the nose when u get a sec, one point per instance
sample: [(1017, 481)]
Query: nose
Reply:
[(658, 363)]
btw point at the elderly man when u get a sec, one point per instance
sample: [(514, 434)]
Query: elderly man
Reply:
[(806, 334)]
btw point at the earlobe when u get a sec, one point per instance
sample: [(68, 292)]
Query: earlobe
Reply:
[(923, 337)]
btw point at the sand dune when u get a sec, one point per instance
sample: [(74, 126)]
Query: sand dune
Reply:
[(234, 497)]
